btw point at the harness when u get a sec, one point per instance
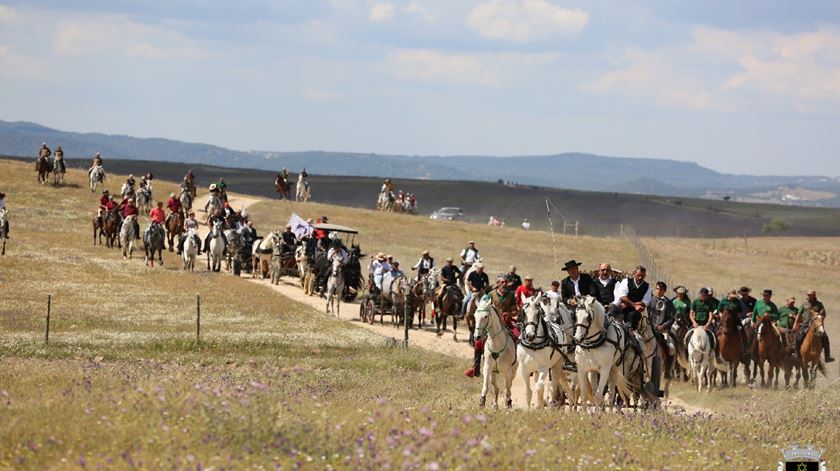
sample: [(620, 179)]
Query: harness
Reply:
[(590, 342), (502, 331), (548, 339)]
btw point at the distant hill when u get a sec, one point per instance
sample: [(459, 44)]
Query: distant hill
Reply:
[(569, 170), (598, 213)]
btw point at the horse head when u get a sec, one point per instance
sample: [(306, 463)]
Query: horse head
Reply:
[(818, 325), (484, 309), (534, 309), (589, 314)]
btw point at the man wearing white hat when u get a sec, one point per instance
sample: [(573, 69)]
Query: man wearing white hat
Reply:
[(424, 265)]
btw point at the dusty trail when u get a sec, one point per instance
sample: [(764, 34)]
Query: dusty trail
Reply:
[(425, 338)]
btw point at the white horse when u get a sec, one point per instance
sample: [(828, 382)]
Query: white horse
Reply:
[(186, 199), (143, 200), (538, 353), (97, 175), (190, 251), (700, 356), (335, 286), (383, 201), (499, 351), (216, 248), (127, 236), (58, 171), (302, 190), (599, 346), (261, 254)]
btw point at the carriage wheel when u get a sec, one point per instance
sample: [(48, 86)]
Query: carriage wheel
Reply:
[(362, 312), (371, 311)]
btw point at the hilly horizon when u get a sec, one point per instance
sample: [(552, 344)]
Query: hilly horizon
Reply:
[(576, 171)]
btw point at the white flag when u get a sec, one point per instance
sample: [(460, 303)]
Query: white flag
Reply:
[(299, 226)]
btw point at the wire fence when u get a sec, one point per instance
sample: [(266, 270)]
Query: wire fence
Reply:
[(655, 270)]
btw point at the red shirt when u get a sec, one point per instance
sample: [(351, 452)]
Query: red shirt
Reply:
[(103, 200), (173, 205), (523, 291), (109, 205), (157, 215), (129, 210)]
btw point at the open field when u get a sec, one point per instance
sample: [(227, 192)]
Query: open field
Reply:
[(275, 383), (600, 211)]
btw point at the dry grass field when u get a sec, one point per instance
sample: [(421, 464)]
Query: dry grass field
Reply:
[(275, 384)]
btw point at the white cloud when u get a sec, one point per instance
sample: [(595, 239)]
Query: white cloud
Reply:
[(523, 21), (415, 8), (15, 65), (111, 34), (493, 70), (381, 12), (7, 15), (718, 68)]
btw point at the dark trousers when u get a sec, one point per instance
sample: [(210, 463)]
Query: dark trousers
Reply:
[(183, 237)]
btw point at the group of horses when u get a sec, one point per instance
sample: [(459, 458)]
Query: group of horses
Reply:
[(766, 352), (388, 202), (284, 187), (44, 167)]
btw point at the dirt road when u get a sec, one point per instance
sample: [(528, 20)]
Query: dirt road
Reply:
[(418, 338)]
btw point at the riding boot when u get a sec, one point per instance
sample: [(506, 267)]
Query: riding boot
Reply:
[(475, 371), (827, 349)]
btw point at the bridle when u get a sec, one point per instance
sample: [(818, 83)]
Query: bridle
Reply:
[(481, 331)]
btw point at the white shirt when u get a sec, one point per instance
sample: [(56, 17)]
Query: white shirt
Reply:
[(605, 282), (339, 252), (380, 267), (577, 286), (470, 255), (553, 295), (621, 290), (425, 263), (526, 225)]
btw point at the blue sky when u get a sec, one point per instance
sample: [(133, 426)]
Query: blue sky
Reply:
[(744, 87)]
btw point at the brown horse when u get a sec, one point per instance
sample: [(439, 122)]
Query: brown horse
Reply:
[(174, 228), (110, 228), (770, 351), (449, 305), (730, 345), (790, 362), (417, 303), (282, 186), (811, 350), (43, 167)]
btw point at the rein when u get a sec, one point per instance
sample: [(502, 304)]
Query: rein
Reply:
[(486, 330)]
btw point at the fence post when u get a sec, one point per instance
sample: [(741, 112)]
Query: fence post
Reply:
[(407, 310), (197, 318), (49, 308), (577, 226)]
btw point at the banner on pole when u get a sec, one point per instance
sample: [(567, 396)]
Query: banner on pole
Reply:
[(299, 226)]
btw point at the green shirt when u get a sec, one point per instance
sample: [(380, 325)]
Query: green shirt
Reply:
[(734, 305), (787, 316), (762, 308), (806, 313), (681, 309), (702, 310)]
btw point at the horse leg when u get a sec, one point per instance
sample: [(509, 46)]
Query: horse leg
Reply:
[(455, 328), (524, 375), (485, 383), (761, 371)]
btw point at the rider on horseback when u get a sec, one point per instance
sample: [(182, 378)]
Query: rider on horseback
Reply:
[(44, 152), (189, 223), (128, 209), (216, 217), (661, 316), (503, 300), (449, 276), (807, 311), (468, 256), (156, 219), (59, 159), (424, 265), (174, 206)]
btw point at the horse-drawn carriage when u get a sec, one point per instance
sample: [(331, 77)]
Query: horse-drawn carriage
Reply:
[(318, 268)]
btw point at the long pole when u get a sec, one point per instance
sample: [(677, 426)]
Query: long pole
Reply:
[(197, 318), (407, 311), (49, 308), (553, 240)]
